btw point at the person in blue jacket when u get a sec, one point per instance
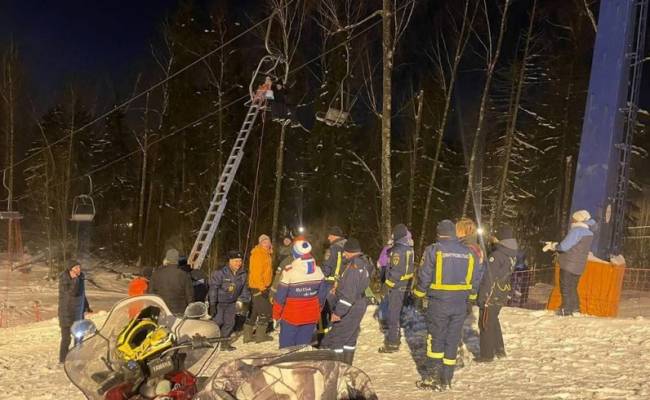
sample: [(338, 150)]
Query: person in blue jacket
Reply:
[(348, 302), (228, 286), (573, 253), (446, 277), (399, 274)]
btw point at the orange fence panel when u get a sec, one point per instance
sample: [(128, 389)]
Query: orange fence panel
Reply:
[(599, 289)]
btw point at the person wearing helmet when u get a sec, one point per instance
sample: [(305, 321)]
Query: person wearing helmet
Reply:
[(300, 294), (573, 252), (228, 285)]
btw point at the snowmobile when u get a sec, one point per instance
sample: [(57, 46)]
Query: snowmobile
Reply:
[(142, 351)]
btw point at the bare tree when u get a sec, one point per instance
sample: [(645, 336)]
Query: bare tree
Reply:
[(492, 53), (447, 72), (291, 18), (495, 217), (414, 155), (8, 94)]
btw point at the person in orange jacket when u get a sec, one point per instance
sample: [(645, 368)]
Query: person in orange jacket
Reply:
[(137, 287), (260, 277)]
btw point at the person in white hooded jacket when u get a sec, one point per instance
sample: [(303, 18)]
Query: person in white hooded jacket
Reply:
[(573, 252)]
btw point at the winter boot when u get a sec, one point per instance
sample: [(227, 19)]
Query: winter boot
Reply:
[(483, 359), (429, 382), (260, 332), (389, 348), (348, 356), (247, 333), (226, 346)]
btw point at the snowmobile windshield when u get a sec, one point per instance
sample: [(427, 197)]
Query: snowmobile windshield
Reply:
[(293, 373), (95, 365)]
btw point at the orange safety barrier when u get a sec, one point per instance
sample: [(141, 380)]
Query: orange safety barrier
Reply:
[(599, 289)]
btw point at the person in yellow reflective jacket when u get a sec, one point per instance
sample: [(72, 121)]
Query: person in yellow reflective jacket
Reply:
[(446, 277)]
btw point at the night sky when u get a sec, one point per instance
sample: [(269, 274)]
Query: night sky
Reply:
[(90, 40)]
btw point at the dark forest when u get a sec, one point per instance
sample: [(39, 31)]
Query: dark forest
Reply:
[(483, 118)]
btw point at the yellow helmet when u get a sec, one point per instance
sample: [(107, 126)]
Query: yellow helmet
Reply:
[(143, 337)]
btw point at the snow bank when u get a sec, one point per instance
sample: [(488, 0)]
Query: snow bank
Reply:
[(549, 358)]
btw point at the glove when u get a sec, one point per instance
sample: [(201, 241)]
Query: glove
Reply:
[(212, 310), (421, 303), (385, 289), (550, 246)]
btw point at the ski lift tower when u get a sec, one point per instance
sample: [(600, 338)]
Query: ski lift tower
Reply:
[(603, 170), (14, 233)]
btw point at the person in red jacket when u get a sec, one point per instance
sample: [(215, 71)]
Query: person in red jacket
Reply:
[(300, 295)]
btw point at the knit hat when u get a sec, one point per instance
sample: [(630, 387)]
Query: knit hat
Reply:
[(301, 248), (352, 246), (399, 231), (171, 257), (263, 238), (73, 263), (446, 228), (581, 216), (505, 232), (234, 254), (335, 231)]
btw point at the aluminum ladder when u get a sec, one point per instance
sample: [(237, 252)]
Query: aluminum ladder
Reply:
[(220, 195)]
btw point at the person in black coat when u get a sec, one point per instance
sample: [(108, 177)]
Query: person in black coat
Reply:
[(172, 284), (493, 293), (73, 303)]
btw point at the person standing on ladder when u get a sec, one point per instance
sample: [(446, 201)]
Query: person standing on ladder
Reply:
[(260, 277), (332, 264)]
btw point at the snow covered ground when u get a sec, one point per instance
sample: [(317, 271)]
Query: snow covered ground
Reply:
[(549, 357)]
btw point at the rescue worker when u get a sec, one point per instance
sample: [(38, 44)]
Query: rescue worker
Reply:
[(286, 258), (467, 233), (172, 284), (73, 304), (332, 264), (299, 296), (447, 278), (349, 302), (228, 286), (573, 252), (493, 293), (399, 274), (260, 277), (382, 266)]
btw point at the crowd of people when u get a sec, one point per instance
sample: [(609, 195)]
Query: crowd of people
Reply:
[(323, 304)]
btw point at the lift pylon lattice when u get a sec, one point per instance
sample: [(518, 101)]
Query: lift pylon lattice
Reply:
[(220, 194)]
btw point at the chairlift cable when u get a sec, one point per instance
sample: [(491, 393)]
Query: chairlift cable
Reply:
[(189, 125), (151, 88)]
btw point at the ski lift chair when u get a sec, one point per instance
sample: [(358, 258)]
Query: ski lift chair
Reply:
[(83, 209), (10, 215), (83, 206), (333, 117)]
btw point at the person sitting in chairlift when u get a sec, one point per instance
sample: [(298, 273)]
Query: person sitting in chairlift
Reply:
[(264, 93)]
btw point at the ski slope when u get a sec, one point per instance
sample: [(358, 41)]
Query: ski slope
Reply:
[(549, 358)]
